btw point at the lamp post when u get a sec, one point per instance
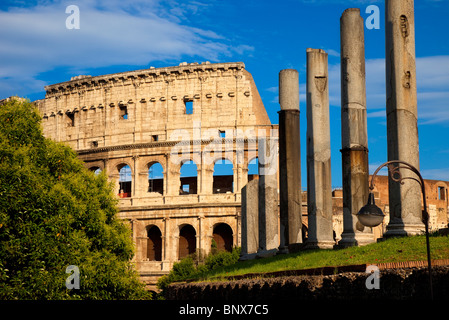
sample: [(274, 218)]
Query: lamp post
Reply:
[(371, 215)]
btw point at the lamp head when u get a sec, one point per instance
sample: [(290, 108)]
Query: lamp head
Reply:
[(370, 215)]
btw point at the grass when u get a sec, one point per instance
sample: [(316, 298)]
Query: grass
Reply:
[(391, 250)]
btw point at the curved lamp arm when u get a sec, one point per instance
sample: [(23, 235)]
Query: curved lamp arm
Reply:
[(395, 174)]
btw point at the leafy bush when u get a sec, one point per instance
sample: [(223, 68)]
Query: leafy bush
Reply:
[(222, 259), (55, 213), (185, 269)]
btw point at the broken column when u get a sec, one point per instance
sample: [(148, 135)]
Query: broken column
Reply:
[(268, 198), (289, 160), (402, 117), (319, 187), (354, 129), (250, 220)]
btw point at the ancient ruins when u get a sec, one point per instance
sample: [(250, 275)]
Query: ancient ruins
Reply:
[(319, 185), (197, 164), (402, 115), (161, 136), (354, 136)]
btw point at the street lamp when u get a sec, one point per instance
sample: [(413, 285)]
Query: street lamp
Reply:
[(371, 215)]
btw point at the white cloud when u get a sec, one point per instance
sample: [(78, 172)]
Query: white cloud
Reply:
[(374, 166), (436, 174), (332, 52), (35, 40), (432, 174), (432, 82)]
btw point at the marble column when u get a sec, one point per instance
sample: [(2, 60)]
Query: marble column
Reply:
[(268, 199), (354, 133), (289, 161), (250, 220), (319, 186), (402, 117)]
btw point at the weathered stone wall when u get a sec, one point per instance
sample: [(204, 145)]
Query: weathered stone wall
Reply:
[(437, 201), (394, 284), (91, 109), (139, 118), (167, 116)]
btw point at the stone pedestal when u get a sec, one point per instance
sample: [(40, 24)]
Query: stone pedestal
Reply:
[(319, 186), (289, 160), (354, 150), (402, 118)]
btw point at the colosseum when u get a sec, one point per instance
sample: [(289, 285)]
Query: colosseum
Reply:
[(179, 143)]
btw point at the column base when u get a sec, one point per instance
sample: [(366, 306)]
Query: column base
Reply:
[(355, 239), (248, 256), (315, 244), (404, 230), (266, 253), (291, 248), (283, 250)]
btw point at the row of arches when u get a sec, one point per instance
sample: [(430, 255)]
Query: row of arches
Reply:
[(222, 236), (223, 181)]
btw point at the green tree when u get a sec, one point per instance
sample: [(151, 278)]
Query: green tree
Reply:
[(55, 213)]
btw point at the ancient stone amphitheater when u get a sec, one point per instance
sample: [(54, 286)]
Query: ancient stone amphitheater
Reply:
[(178, 142)]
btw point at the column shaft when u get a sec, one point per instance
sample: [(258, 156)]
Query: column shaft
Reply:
[(268, 200), (319, 186), (402, 118), (355, 166), (289, 160)]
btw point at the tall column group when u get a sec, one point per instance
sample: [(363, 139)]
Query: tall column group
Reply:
[(402, 136)]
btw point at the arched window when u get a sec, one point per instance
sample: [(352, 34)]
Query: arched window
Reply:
[(156, 178), (154, 244), (125, 180), (189, 175), (253, 169), (187, 241), (442, 193), (223, 237), (95, 170), (223, 177)]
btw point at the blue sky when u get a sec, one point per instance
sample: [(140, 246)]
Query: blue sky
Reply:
[(36, 49)]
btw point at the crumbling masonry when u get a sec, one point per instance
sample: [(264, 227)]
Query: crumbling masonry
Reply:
[(179, 143)]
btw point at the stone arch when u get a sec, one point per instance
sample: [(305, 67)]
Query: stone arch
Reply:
[(155, 177), (223, 237), (188, 174), (95, 169), (223, 177), (154, 243), (125, 180), (187, 241)]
